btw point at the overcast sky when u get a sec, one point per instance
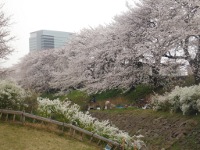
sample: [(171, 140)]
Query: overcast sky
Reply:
[(60, 15)]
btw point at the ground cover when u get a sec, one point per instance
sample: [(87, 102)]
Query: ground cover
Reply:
[(18, 137)]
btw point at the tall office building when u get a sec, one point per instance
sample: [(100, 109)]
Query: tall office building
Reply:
[(47, 39)]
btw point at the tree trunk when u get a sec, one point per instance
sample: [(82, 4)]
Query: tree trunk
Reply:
[(155, 76), (196, 77), (194, 63)]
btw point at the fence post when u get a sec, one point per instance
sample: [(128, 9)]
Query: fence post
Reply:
[(14, 117), (6, 117), (63, 127), (98, 142), (91, 137), (74, 132), (22, 118), (81, 136), (70, 131)]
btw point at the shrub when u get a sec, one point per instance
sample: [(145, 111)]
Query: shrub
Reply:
[(185, 99), (12, 96), (31, 102), (67, 112)]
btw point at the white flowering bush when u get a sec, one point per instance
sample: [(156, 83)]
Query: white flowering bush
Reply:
[(185, 99), (67, 112), (57, 109), (12, 96)]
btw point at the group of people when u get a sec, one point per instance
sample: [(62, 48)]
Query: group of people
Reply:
[(94, 105)]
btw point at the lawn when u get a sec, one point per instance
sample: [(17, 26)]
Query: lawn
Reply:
[(18, 137)]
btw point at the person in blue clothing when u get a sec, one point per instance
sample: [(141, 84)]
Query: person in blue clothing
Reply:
[(92, 103), (93, 99)]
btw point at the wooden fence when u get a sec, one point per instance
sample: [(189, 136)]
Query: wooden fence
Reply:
[(73, 128)]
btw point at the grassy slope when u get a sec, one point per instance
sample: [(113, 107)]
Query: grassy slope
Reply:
[(117, 97), (161, 129), (17, 137)]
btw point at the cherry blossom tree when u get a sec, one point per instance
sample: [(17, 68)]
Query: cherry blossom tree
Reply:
[(135, 48), (159, 29), (36, 70), (5, 39), (82, 52), (95, 62), (190, 43)]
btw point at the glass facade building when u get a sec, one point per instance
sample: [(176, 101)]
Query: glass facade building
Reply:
[(47, 39)]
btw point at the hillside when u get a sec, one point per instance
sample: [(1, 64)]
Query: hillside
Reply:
[(17, 137), (161, 129)]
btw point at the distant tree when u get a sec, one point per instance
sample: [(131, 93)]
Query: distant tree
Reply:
[(5, 38), (36, 70)]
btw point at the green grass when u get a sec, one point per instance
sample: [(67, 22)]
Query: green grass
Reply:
[(18, 137), (78, 97), (116, 96), (108, 94), (139, 92), (52, 96)]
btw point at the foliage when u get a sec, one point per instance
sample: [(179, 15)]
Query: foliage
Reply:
[(67, 112), (189, 81), (107, 94), (185, 99), (12, 96), (52, 95), (138, 92), (77, 95), (31, 102)]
